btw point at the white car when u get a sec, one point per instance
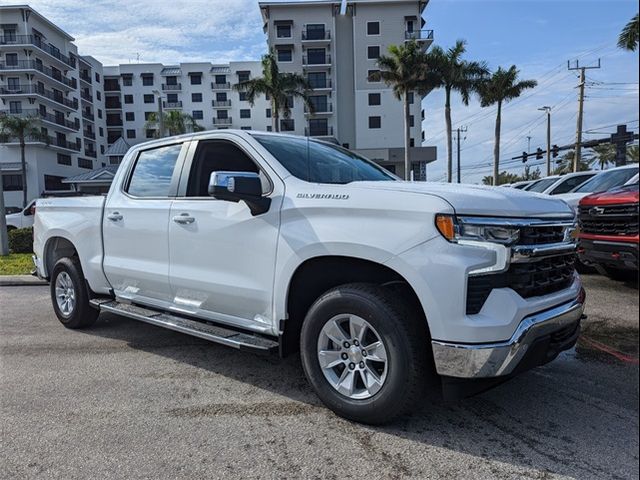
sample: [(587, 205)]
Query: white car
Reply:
[(558, 184), (268, 242), (603, 181), (22, 219)]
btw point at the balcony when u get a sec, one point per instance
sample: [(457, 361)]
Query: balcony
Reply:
[(318, 131), (86, 96), (112, 103), (423, 37), (85, 78), (88, 116), (114, 122), (39, 67), (320, 109), (63, 143), (111, 86), (316, 60), (171, 88), (221, 103), (58, 121), (221, 86), (88, 134), (222, 121), (37, 41), (27, 89), (320, 85), (172, 105), (315, 35), (89, 152)]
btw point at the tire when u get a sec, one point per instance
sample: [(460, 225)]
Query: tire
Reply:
[(67, 282), (405, 374)]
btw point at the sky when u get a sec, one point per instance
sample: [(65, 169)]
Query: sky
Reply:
[(538, 36)]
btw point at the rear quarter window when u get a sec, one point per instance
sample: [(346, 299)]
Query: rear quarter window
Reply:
[(153, 172)]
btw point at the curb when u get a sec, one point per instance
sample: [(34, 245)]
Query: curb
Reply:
[(20, 281)]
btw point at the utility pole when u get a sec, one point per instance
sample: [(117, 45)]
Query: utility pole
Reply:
[(578, 150), (458, 131), (528, 143), (548, 112)]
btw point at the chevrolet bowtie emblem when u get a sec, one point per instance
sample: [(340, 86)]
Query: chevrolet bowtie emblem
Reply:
[(596, 211)]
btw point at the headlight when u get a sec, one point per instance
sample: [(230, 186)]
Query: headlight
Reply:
[(459, 230)]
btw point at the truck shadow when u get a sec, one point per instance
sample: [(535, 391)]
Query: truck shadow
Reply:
[(556, 419)]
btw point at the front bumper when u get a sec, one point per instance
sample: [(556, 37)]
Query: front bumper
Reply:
[(609, 254), (499, 359)]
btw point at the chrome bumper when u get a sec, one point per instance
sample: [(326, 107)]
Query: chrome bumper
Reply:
[(497, 359)]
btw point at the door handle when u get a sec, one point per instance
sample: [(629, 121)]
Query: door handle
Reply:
[(184, 219), (114, 217)]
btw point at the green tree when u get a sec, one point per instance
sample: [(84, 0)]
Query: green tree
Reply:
[(628, 39), (565, 163), (603, 155), (403, 69), (175, 123), (632, 154), (446, 69), (22, 129), (278, 87), (503, 177), (502, 87), (529, 175)]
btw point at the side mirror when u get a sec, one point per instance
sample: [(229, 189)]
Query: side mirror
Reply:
[(236, 186)]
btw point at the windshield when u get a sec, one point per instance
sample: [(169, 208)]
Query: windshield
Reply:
[(321, 162), (607, 180), (541, 185)]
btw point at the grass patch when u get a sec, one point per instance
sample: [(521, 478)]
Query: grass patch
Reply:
[(16, 264)]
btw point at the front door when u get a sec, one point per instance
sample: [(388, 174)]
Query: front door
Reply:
[(223, 257), (135, 225)]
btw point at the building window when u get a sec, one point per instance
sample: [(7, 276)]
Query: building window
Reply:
[(11, 59), (128, 99), (147, 79), (149, 98), (150, 133), (99, 113), (287, 125), (375, 122), (373, 28), (374, 99), (13, 83), (131, 133), (220, 79), (12, 183), (285, 55), (101, 131), (283, 31), (85, 163), (242, 96), (412, 121), (222, 114), (127, 80), (318, 80), (314, 31), (15, 106), (243, 76), (269, 128), (172, 98), (422, 135), (245, 113), (97, 77), (148, 115), (196, 97), (410, 97), (196, 78), (245, 128), (373, 52), (102, 151), (221, 97), (373, 76), (64, 159), (197, 114), (268, 112), (412, 142), (289, 102), (52, 183), (98, 95)]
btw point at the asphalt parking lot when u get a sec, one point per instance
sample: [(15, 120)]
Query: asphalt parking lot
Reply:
[(129, 400)]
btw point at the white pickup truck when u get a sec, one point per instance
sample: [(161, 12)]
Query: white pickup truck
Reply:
[(390, 290)]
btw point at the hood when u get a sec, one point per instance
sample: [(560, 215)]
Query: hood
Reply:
[(616, 197), (481, 200), (572, 199)]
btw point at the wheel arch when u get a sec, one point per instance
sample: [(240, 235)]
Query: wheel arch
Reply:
[(316, 275), (55, 248)]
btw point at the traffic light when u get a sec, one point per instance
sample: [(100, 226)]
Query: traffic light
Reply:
[(539, 153), (524, 157), (555, 150)]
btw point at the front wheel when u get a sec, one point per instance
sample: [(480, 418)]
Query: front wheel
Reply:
[(70, 296), (366, 356)]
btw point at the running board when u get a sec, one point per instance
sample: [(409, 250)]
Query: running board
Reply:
[(214, 333)]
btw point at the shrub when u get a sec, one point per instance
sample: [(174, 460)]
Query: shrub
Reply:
[(21, 240)]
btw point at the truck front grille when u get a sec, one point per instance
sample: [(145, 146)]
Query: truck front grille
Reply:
[(539, 235), (612, 220), (529, 279)]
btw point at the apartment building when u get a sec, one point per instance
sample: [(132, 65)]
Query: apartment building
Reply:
[(133, 92), (335, 45), (42, 76)]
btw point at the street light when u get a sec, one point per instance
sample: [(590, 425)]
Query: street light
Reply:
[(547, 109), (160, 114)]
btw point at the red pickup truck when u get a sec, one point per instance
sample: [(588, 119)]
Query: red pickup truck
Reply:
[(609, 232)]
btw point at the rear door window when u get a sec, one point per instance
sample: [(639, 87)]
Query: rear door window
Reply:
[(154, 171)]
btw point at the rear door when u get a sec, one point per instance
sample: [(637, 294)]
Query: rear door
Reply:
[(223, 257), (135, 226)]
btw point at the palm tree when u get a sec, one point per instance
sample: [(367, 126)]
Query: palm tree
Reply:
[(628, 39), (175, 123), (565, 163), (446, 69), (632, 154), (604, 155), (23, 129), (502, 87), (403, 70), (278, 87)]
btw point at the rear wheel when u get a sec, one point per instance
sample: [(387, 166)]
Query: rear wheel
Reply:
[(365, 356), (70, 296)]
